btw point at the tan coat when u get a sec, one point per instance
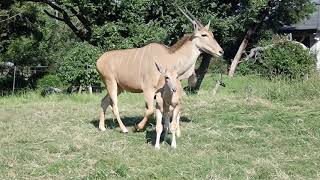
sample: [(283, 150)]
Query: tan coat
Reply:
[(133, 70)]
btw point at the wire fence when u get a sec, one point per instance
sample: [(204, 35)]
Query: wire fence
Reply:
[(15, 76), (9, 74)]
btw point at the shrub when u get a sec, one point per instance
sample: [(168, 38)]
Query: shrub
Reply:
[(78, 65), (24, 51), (217, 65), (287, 59), (283, 59), (250, 67), (49, 80)]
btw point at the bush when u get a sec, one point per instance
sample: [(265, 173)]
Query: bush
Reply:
[(24, 51), (49, 80), (249, 68), (78, 65), (284, 59), (288, 59)]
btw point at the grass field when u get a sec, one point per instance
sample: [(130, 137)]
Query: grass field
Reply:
[(252, 129)]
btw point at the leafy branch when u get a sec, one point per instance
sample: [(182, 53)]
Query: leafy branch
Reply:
[(84, 32)]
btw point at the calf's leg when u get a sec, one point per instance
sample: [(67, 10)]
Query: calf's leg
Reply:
[(159, 128), (178, 125), (173, 127)]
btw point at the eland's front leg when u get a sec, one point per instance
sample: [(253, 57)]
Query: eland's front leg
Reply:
[(149, 95)]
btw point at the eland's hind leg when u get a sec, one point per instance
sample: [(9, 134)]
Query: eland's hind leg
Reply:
[(113, 91), (105, 103)]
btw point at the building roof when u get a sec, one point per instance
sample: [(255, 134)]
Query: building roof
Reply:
[(310, 24)]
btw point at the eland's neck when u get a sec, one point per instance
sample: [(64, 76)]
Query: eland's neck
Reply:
[(186, 56)]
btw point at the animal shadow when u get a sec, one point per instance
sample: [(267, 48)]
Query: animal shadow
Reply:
[(185, 119), (151, 136), (112, 123), (151, 133)]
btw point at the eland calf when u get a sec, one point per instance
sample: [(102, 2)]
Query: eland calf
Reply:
[(168, 98)]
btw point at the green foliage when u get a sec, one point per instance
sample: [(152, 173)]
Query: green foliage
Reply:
[(78, 65), (287, 59), (250, 67), (138, 35), (24, 51), (49, 80), (127, 23), (283, 58), (30, 37)]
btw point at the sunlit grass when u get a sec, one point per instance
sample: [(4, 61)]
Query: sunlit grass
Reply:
[(253, 129)]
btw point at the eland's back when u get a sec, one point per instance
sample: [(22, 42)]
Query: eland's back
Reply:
[(133, 69)]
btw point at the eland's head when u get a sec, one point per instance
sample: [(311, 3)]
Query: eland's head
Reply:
[(202, 37)]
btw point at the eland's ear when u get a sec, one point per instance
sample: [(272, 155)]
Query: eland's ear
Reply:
[(196, 32), (196, 27), (208, 25), (160, 69)]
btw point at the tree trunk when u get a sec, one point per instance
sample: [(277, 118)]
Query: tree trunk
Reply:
[(90, 89), (194, 82), (265, 12), (80, 89), (241, 49)]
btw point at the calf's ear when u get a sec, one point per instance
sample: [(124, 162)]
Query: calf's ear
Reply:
[(160, 69)]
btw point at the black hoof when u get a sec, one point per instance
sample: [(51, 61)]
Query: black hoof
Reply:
[(137, 129)]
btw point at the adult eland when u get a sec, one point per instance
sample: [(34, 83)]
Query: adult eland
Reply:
[(133, 70)]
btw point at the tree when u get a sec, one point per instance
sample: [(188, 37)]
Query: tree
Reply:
[(118, 24), (273, 13), (78, 67)]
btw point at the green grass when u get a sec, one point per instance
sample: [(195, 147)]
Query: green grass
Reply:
[(252, 129)]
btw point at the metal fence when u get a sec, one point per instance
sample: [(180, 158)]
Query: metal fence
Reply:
[(10, 71)]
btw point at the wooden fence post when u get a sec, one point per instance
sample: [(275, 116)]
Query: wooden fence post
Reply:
[(14, 79)]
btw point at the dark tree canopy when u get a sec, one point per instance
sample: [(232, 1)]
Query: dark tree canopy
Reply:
[(118, 24), (42, 31)]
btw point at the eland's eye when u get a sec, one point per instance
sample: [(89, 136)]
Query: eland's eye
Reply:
[(204, 35), (167, 78)]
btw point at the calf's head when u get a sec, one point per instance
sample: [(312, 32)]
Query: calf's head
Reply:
[(170, 77)]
